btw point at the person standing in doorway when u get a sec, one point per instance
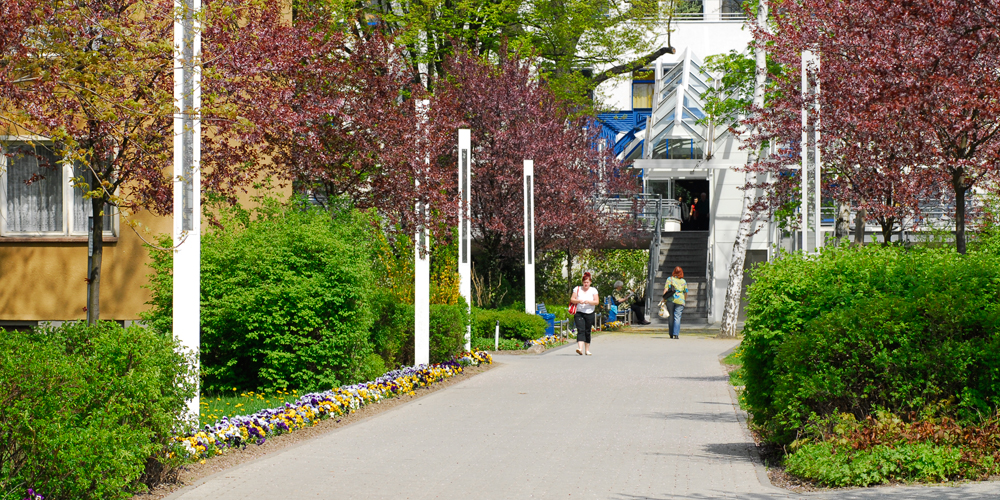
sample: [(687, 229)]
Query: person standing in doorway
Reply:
[(675, 301), (586, 299), (685, 212)]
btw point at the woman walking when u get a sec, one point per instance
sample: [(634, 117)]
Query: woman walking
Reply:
[(586, 299), (675, 301)]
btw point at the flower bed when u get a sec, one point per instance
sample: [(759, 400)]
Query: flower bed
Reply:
[(546, 341), (309, 409), (611, 326)]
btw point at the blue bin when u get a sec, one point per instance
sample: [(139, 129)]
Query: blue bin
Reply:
[(550, 323)]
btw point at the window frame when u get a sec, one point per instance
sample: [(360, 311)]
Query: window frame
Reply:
[(68, 198)]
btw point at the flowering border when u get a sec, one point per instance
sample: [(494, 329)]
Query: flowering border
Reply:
[(308, 410), (546, 341)]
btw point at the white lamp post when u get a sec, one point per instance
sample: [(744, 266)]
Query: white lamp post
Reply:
[(187, 184), (421, 268), (464, 214), (529, 236)]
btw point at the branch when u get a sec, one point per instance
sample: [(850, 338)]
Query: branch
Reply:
[(632, 66)]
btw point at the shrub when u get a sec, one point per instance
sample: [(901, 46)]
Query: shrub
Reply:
[(286, 296), (513, 324), (448, 325), (488, 344), (833, 465), (392, 334), (87, 411), (858, 329)]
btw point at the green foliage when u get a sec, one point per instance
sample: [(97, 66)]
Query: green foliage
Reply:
[(392, 333), (87, 411), (448, 325), (833, 465), (516, 325), (286, 298), (488, 344), (605, 266), (857, 329)]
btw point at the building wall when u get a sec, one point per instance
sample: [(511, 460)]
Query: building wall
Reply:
[(43, 279)]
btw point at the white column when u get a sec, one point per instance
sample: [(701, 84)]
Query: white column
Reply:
[(187, 184), (817, 180), (464, 223), (529, 236), (804, 209), (421, 289), (421, 264)]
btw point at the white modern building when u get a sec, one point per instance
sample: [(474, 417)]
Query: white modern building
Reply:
[(655, 124)]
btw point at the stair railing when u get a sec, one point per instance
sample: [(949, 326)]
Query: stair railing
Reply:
[(654, 254)]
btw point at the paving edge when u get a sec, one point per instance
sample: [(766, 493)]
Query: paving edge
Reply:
[(742, 416)]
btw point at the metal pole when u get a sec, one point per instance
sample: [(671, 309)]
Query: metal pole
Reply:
[(187, 184), (804, 209), (529, 236), (421, 266), (817, 180), (464, 229)]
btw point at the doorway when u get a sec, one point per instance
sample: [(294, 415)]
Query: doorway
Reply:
[(693, 191)]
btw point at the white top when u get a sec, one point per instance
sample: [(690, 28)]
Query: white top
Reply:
[(589, 295)]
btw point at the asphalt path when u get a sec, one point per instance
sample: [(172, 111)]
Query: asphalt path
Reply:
[(645, 417)]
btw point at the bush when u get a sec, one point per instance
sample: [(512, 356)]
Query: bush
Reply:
[(859, 329), (286, 298), (833, 465), (392, 334), (448, 325), (87, 412), (488, 344), (513, 324)]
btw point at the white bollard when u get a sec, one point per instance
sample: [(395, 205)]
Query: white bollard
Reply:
[(496, 341)]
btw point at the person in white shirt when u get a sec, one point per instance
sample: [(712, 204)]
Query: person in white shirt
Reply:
[(586, 299)]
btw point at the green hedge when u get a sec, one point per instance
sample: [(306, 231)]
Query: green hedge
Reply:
[(859, 329), (286, 298), (513, 324), (87, 411), (392, 335)]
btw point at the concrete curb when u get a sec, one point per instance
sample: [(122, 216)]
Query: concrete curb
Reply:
[(742, 416)]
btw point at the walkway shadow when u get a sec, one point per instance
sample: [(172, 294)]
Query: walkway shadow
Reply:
[(696, 417), (710, 378)]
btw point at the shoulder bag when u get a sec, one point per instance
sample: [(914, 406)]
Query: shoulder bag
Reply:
[(572, 307)]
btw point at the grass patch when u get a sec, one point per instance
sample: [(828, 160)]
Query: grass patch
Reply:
[(734, 365), (214, 407)]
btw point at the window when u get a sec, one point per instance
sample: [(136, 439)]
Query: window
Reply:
[(679, 149), (38, 194), (643, 86)]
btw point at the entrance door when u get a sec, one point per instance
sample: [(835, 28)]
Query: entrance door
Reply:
[(693, 191)]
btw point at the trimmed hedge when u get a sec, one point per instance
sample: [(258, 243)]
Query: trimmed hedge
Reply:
[(286, 298), (860, 329), (392, 334), (88, 412), (513, 324)]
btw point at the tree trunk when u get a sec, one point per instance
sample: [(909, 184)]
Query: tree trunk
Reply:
[(94, 273), (859, 227), (843, 227), (958, 183), (569, 272), (734, 291), (887, 225)]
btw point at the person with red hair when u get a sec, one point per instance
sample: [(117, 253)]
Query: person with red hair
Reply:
[(586, 300), (675, 294)]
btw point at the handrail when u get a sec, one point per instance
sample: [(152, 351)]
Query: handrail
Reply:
[(654, 256)]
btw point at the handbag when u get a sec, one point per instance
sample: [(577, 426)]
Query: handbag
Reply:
[(572, 307), (664, 313)]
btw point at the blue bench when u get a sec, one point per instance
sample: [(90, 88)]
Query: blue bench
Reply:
[(549, 318)]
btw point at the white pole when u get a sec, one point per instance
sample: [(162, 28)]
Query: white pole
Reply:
[(421, 290), (464, 229), (817, 180), (421, 269), (496, 338), (529, 236), (187, 185), (804, 209)]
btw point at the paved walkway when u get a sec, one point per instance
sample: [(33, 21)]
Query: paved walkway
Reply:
[(645, 417)]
